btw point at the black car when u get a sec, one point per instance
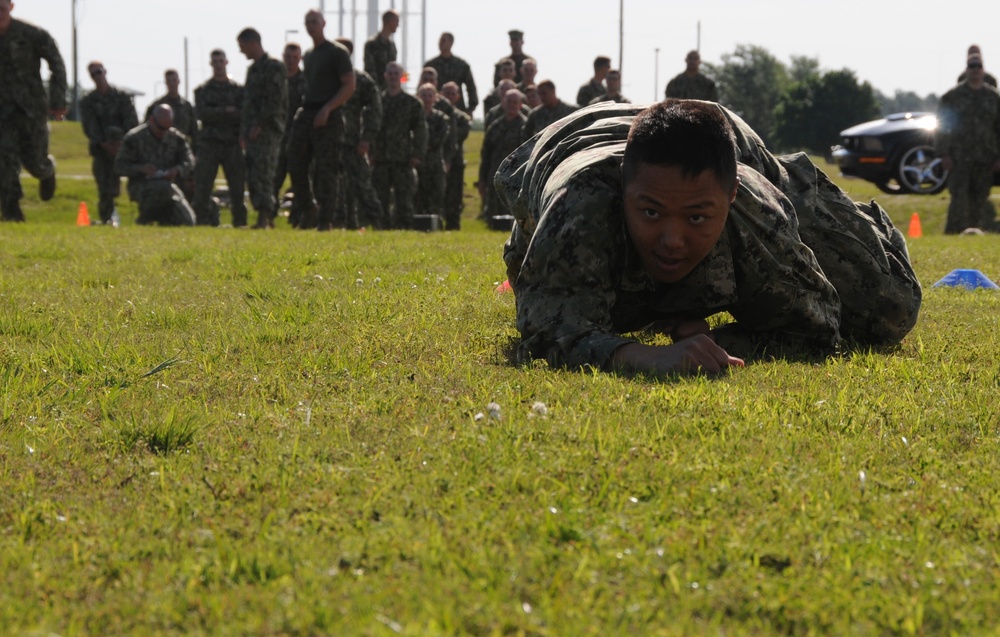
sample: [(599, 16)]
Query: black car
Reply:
[(895, 153)]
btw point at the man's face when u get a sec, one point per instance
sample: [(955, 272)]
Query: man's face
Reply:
[(693, 62), (428, 97), (173, 82), (160, 123), (529, 70), (97, 73), (292, 57), (516, 44), (450, 92), (5, 7), (548, 96), (429, 77), (511, 103), (219, 64), (531, 97), (315, 24), (613, 82), (508, 71), (674, 221), (393, 75), (444, 45), (974, 71), (392, 23)]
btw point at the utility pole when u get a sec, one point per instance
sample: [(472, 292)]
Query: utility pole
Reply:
[(656, 75), (76, 72), (621, 35)]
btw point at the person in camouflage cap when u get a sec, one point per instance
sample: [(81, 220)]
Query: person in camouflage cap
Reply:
[(968, 140), (107, 113), (262, 125), (153, 156), (25, 109), (628, 217), (691, 84)]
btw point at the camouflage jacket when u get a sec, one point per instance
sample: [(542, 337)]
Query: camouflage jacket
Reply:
[(265, 96), (363, 111), (580, 283), (588, 92), (496, 113), (403, 134), (140, 147), (697, 87), (541, 116), (462, 124), (500, 140), (379, 52), (518, 58), (107, 116), (619, 99), (969, 124), (455, 69), (211, 100), (184, 119), (296, 89), (440, 136), (22, 49)]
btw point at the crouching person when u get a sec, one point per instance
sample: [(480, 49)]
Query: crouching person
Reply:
[(153, 155), (631, 217)]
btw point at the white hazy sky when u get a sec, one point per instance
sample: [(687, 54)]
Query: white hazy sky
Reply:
[(914, 45)]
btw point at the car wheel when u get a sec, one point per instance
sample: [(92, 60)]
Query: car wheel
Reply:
[(919, 171)]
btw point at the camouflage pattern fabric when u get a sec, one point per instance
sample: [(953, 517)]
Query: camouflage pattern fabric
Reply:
[(541, 116), (969, 131), (403, 132), (430, 173), (160, 201), (496, 113), (265, 103), (184, 118), (395, 178), (317, 151), (379, 52), (501, 138), (692, 87), (588, 92), (455, 180), (518, 58), (219, 106), (106, 117), (359, 204), (296, 87), (798, 260), (455, 69)]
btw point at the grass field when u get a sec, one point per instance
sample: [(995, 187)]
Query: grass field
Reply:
[(213, 431)]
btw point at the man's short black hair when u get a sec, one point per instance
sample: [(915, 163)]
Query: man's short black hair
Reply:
[(215, 52), (249, 34), (691, 134), (602, 62)]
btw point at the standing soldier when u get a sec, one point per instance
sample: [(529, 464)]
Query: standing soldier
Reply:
[(380, 49), (437, 161), (359, 203), (551, 110), (451, 68), (614, 82), (398, 150), (219, 105), (968, 139), (501, 139), (24, 110), (507, 70), (529, 71), (154, 157), (691, 84), (107, 113), (455, 181), (516, 53), (595, 87), (318, 129), (184, 121), (295, 83), (265, 104)]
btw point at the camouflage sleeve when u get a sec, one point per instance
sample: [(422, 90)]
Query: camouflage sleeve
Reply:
[(448, 141), (273, 103), (57, 72), (470, 88), (184, 158), (129, 160), (89, 121), (484, 154), (565, 287), (371, 109), (128, 111), (371, 62), (418, 124)]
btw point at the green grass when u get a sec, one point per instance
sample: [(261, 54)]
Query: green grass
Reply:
[(213, 431)]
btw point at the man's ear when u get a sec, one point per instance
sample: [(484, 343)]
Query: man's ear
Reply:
[(736, 187)]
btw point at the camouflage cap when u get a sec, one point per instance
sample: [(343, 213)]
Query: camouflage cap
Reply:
[(515, 34)]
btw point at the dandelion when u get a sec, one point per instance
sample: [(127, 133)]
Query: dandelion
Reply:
[(479, 416), (359, 282), (539, 409), (494, 410)]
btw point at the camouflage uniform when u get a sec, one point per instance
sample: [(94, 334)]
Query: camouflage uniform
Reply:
[(379, 52), (159, 200), (184, 118), (692, 87), (969, 131), (402, 136), (359, 202), (500, 140), (430, 173), (496, 113), (989, 78), (798, 261), (588, 92), (296, 86), (219, 144), (518, 58), (455, 69), (24, 109), (541, 116), (106, 117), (265, 104), (455, 181), (618, 99), (314, 153)]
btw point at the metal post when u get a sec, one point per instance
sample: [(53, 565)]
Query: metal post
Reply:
[(340, 13), (621, 35), (699, 38), (354, 25), (187, 82), (423, 31), (406, 38), (76, 72), (656, 76)]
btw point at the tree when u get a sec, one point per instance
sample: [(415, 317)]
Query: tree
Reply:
[(750, 82), (906, 102), (803, 68), (811, 114)]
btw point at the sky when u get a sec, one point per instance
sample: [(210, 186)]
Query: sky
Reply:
[(913, 45)]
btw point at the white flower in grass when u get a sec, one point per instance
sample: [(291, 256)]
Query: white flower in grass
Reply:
[(479, 416), (359, 282), (539, 409), (494, 410)]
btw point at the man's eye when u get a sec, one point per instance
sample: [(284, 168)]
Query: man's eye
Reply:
[(697, 219), (650, 213)]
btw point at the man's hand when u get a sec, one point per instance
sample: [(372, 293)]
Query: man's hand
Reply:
[(698, 353), (946, 162), (362, 148), (58, 114), (414, 162), (321, 118)]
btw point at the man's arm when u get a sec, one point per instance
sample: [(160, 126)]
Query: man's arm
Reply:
[(470, 88), (57, 76)]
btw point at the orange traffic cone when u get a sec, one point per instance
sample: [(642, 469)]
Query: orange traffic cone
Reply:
[(82, 216), (915, 231), (504, 287)]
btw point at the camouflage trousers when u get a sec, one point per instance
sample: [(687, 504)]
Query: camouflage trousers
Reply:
[(969, 183), (212, 154), (453, 192), (430, 186), (320, 147), (359, 204), (399, 180), (161, 201), (24, 141), (109, 183), (281, 169), (261, 157)]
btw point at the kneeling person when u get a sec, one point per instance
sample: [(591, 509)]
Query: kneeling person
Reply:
[(152, 156), (628, 216)]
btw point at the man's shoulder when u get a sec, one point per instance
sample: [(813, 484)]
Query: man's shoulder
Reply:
[(138, 131), (23, 29)]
